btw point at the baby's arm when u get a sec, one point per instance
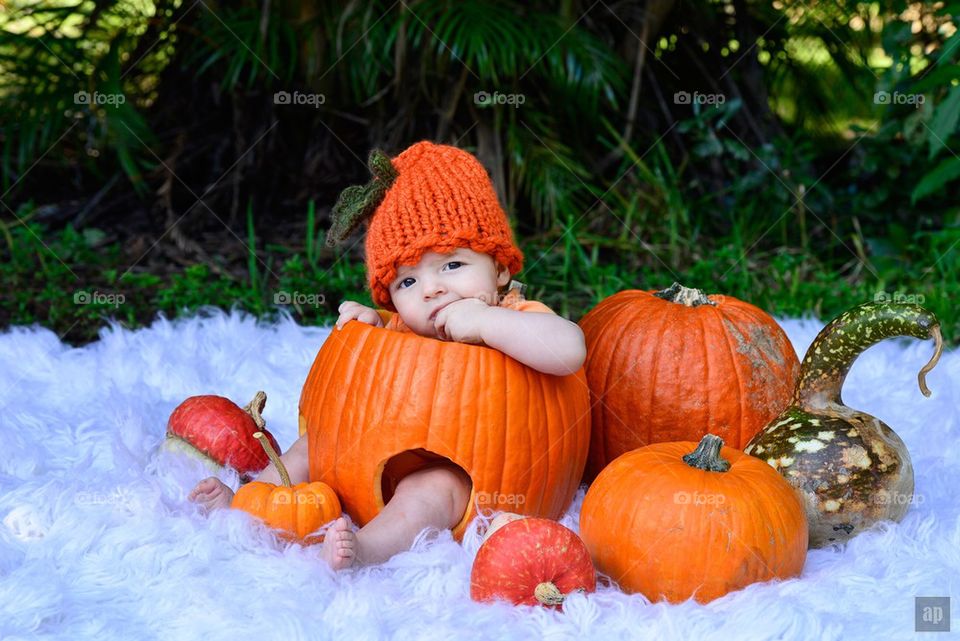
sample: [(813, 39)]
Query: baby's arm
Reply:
[(545, 342), (213, 494)]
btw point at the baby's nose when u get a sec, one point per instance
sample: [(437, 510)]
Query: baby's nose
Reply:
[(431, 290)]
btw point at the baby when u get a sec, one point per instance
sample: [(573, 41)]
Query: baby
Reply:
[(448, 289)]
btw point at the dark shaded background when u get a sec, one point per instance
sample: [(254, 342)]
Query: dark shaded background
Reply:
[(162, 156)]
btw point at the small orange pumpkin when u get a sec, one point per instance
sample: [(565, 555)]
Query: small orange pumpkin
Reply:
[(295, 511), (379, 404), (671, 365), (671, 523)]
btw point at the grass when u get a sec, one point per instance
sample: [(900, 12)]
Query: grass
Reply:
[(785, 283), (72, 281)]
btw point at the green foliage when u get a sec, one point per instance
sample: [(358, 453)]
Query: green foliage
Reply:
[(74, 281), (62, 84), (570, 271), (913, 144), (244, 47), (804, 190)]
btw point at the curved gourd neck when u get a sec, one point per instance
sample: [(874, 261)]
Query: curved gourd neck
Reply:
[(837, 346)]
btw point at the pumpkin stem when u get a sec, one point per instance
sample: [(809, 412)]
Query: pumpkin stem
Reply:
[(707, 455), (255, 407), (834, 350), (272, 454), (548, 594), (937, 350), (688, 296)]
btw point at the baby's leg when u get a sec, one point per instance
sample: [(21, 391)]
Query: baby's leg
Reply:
[(297, 462), (433, 497)]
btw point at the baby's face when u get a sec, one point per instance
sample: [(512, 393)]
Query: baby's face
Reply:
[(420, 291)]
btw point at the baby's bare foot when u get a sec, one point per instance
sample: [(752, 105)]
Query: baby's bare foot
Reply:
[(340, 545)]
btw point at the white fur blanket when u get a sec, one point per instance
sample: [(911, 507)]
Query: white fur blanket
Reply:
[(98, 542)]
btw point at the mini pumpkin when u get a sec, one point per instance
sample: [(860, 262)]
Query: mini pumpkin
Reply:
[(670, 365), (682, 520), (379, 404), (850, 467), (531, 561), (295, 511)]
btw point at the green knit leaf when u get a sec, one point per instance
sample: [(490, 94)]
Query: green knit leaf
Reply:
[(357, 203)]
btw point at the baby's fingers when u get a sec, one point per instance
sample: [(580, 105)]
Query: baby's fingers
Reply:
[(370, 317), (359, 313)]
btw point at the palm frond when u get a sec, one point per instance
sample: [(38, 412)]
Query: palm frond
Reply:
[(244, 48), (55, 64), (546, 170)]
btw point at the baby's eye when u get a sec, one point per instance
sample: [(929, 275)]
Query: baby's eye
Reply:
[(401, 285), (454, 262)]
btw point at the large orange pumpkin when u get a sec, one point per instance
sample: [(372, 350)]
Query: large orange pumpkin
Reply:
[(379, 404), (681, 520), (671, 365)]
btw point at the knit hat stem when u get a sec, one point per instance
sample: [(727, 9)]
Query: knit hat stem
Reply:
[(357, 203)]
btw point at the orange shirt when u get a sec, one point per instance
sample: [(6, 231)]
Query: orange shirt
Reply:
[(513, 299)]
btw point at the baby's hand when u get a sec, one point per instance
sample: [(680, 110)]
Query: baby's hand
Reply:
[(212, 494), (461, 321), (350, 310)]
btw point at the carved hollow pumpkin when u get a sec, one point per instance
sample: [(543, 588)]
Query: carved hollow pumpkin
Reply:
[(296, 512), (671, 365), (681, 520), (851, 468), (380, 404)]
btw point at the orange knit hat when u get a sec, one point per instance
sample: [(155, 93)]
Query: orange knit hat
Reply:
[(429, 198)]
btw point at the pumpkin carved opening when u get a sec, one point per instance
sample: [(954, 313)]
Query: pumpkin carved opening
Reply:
[(395, 468)]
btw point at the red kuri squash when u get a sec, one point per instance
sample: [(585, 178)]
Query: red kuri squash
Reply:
[(215, 429), (532, 561)]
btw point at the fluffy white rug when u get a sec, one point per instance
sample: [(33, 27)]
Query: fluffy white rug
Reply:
[(97, 540)]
